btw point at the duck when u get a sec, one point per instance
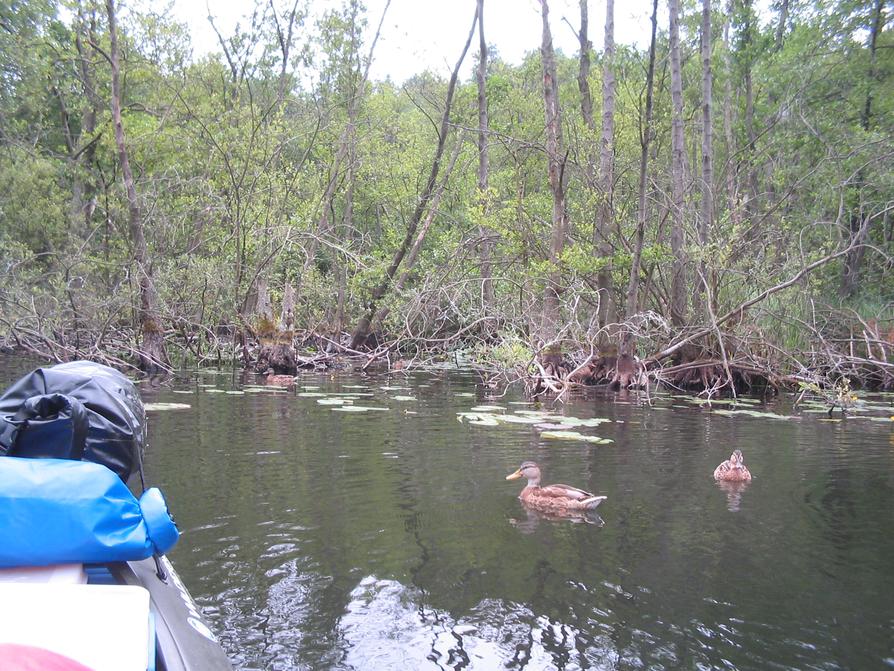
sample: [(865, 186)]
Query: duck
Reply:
[(279, 380), (733, 469), (552, 498)]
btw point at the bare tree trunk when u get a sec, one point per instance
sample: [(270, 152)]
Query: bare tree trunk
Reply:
[(678, 167), (732, 196), (487, 283), (780, 27), (153, 356), (413, 254), (361, 331), (550, 321), (706, 221), (645, 138), (753, 188), (284, 38), (607, 309), (860, 218)]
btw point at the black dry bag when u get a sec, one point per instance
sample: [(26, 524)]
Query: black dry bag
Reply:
[(79, 410)]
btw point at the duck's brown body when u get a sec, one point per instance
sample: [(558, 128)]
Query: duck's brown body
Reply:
[(279, 380), (552, 498), (733, 469)]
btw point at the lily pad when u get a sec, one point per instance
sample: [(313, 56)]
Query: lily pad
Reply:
[(311, 394), (574, 435), (403, 398), (487, 408), (237, 392), (578, 421), (517, 419), (154, 407), (333, 401), (183, 391), (214, 391), (357, 408), (751, 413)]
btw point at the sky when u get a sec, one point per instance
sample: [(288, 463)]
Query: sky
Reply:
[(429, 34)]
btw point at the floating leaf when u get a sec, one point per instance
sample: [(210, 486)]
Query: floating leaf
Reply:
[(357, 408), (577, 421), (751, 413), (311, 394), (516, 419), (236, 392), (465, 394), (404, 398), (574, 435), (183, 391), (487, 408), (214, 391), (332, 401), (484, 421), (151, 407)]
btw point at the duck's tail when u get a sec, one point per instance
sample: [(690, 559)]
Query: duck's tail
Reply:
[(593, 502)]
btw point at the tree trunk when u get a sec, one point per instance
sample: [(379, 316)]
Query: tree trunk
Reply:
[(645, 138), (706, 221), (780, 27), (362, 329), (732, 197), (860, 218), (607, 309), (550, 321), (153, 356), (753, 188), (678, 167), (487, 283), (413, 254)]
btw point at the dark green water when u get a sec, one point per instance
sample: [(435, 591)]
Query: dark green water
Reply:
[(320, 539)]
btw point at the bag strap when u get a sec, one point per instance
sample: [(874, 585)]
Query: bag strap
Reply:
[(40, 407)]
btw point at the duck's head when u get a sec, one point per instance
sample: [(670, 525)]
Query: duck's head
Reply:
[(736, 458), (528, 470)]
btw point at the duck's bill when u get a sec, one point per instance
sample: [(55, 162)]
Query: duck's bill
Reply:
[(514, 476)]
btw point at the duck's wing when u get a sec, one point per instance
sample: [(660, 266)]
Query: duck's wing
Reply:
[(722, 469), (565, 492)]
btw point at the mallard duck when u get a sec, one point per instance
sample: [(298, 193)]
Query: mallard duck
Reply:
[(279, 380), (552, 498), (733, 469)]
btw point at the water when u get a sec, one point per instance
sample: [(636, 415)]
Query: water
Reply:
[(320, 539)]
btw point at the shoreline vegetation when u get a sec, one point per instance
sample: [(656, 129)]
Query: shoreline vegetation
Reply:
[(712, 212)]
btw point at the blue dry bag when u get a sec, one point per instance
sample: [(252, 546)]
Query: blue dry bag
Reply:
[(58, 511)]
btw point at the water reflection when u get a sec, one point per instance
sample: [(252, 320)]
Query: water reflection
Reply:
[(534, 516), (388, 626), (734, 491)]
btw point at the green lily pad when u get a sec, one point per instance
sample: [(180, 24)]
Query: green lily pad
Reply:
[(574, 435), (403, 398), (487, 408), (155, 407)]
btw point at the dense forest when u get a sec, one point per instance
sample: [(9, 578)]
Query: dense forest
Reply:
[(713, 210)]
